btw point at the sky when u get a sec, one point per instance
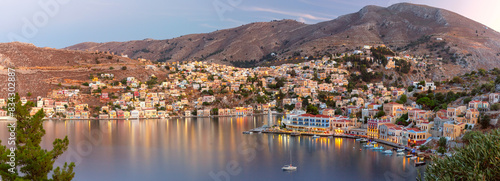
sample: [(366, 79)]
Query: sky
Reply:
[(62, 23)]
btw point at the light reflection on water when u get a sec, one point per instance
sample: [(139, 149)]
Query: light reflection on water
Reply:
[(195, 149)]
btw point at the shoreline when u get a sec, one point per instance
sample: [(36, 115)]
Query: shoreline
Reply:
[(334, 135), (168, 117)]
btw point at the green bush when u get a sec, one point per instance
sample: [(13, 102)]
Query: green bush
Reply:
[(477, 160)]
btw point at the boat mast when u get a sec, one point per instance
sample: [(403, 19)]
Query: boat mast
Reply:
[(290, 148)]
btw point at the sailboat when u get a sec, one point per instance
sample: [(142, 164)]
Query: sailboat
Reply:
[(289, 167)]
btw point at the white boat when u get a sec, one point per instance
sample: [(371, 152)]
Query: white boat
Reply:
[(247, 132), (289, 167), (330, 136), (363, 140), (368, 146), (400, 153), (400, 150), (373, 142), (378, 148), (315, 136), (413, 158), (387, 152)]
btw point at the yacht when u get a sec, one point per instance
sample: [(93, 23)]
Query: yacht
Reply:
[(387, 152), (413, 158), (362, 140), (289, 167), (368, 146), (315, 136), (400, 150)]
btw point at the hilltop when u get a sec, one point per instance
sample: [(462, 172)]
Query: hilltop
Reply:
[(404, 27)]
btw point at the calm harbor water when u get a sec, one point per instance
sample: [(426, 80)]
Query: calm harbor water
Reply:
[(212, 149)]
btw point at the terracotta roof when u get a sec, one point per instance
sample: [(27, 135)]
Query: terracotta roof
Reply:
[(317, 116), (413, 129)]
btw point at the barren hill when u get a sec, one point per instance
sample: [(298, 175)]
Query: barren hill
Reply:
[(39, 70), (404, 27)]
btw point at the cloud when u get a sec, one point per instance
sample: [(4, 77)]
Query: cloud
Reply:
[(209, 26), (300, 16), (234, 21)]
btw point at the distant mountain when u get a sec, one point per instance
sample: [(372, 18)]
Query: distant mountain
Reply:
[(404, 27)]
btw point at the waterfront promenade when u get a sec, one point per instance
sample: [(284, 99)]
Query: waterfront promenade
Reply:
[(275, 131)]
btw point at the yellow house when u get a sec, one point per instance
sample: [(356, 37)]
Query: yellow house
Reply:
[(150, 113), (126, 114), (84, 114), (472, 116), (112, 114), (452, 129), (391, 108)]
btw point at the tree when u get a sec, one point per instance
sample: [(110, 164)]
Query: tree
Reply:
[(214, 111), (495, 107), (33, 162), (441, 150), (305, 102), (442, 142), (124, 68), (402, 120), (312, 109), (477, 160), (403, 98), (338, 111), (410, 88), (485, 121), (111, 68), (379, 114), (467, 100), (481, 72), (426, 101), (280, 82)]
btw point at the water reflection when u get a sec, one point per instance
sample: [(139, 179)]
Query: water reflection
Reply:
[(202, 149)]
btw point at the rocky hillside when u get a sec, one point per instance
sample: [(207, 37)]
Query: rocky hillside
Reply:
[(28, 55), (39, 70), (407, 28)]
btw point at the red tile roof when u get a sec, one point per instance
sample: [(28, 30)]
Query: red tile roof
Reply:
[(317, 116)]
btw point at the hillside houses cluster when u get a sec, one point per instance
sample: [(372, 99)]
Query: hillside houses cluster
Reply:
[(200, 89)]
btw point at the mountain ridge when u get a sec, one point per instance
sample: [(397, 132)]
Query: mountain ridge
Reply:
[(395, 26)]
